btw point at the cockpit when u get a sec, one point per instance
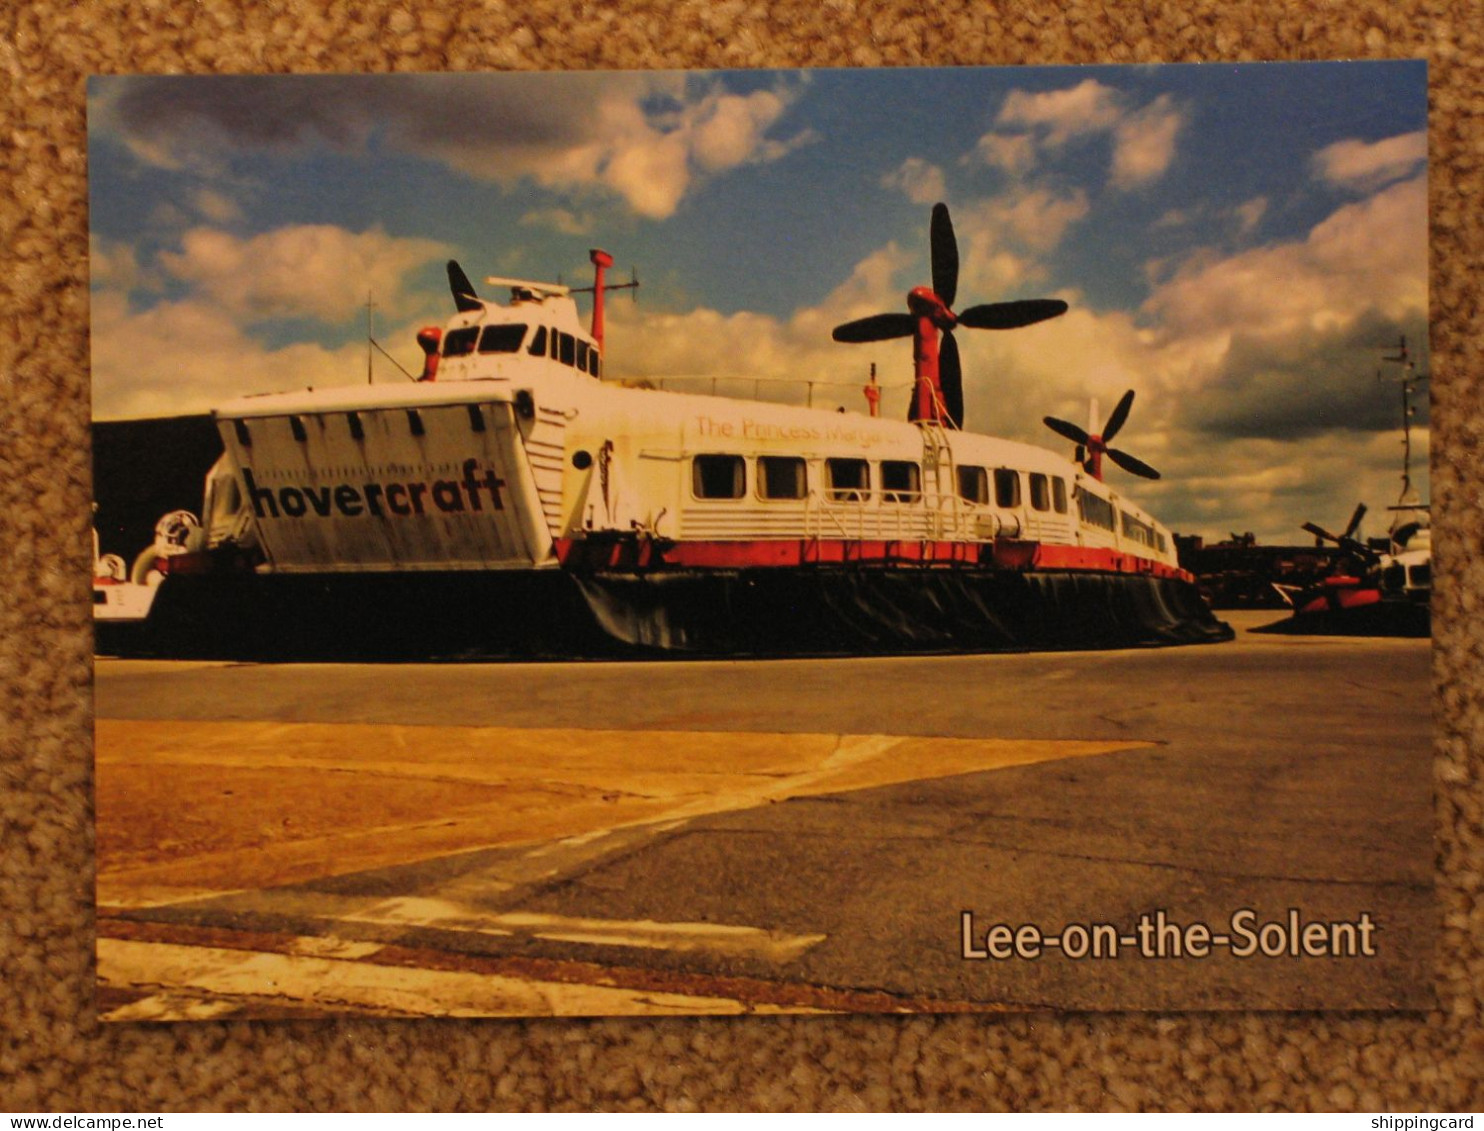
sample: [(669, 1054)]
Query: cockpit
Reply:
[(513, 337)]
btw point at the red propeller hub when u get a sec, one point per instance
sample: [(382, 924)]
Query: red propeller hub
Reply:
[(925, 303)]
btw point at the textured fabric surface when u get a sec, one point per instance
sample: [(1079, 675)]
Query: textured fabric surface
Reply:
[(53, 1054)]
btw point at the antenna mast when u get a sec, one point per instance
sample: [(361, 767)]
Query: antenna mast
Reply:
[(1410, 379), (370, 336)]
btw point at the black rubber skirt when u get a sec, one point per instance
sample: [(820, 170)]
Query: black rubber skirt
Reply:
[(550, 614)]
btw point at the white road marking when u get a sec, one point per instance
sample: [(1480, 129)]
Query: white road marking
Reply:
[(714, 938), (209, 981)]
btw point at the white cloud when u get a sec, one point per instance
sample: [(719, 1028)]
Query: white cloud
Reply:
[(1364, 167), (215, 207), (1029, 126), (1088, 107), (1015, 153), (728, 130), (647, 138), (1002, 239), (562, 220), (1144, 143), (651, 173), (1036, 218), (186, 354), (1250, 213), (113, 265), (180, 357), (921, 181), (307, 271), (1371, 254)]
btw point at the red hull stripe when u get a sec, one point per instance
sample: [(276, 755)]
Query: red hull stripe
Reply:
[(631, 553), (1340, 598)]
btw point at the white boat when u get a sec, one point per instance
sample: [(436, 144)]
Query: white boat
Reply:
[(512, 500)]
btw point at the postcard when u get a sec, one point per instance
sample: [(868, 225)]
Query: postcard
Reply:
[(912, 540)]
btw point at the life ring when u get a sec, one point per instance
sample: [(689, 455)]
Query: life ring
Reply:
[(110, 567), (176, 533)]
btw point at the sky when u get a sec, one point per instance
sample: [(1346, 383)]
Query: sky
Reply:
[(1240, 244)]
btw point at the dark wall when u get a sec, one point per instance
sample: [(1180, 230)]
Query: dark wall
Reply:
[(144, 468)]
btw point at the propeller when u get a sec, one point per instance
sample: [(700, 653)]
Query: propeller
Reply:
[(1092, 446), (1346, 540), (464, 297), (939, 393)]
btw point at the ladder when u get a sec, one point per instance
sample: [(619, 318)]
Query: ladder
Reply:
[(938, 478)]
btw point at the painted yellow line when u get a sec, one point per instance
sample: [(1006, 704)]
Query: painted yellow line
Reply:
[(189, 808)]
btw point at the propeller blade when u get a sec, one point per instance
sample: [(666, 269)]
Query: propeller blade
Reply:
[(1319, 532), (1011, 315), (1120, 414), (876, 328), (1070, 431), (464, 296), (1354, 521), (951, 378), (1131, 465), (945, 255)]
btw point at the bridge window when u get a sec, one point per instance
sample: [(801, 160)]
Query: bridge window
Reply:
[(503, 338), (594, 365), (538, 342), (781, 477), (461, 342), (847, 480), (718, 477), (1159, 542), (567, 349), (901, 482), (582, 348), (1059, 494), (973, 485), (1006, 487), (1040, 492)]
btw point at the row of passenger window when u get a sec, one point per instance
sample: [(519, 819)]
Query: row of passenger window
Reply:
[(1097, 511), (507, 337), (848, 480)]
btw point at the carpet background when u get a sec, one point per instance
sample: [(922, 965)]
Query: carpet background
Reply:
[(54, 1057)]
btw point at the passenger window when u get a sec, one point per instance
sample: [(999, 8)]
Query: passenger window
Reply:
[(538, 342), (1094, 510), (781, 477), (718, 477), (460, 343), (1006, 487), (901, 482), (847, 480), (1059, 494), (1040, 492), (973, 485), (502, 339)]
